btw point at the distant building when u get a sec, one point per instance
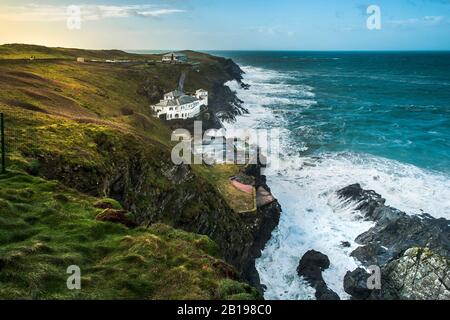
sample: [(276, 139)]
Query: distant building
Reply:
[(80, 60), (174, 57), (178, 105)]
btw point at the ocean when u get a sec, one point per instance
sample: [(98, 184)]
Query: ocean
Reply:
[(379, 119)]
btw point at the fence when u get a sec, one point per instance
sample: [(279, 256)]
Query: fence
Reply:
[(15, 131), (2, 143)]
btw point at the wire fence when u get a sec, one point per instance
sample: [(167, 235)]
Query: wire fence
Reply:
[(2, 143), (16, 137)]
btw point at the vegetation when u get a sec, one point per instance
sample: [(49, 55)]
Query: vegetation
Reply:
[(26, 51), (46, 227), (219, 176), (88, 126)]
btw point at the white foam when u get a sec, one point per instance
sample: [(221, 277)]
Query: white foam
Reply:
[(313, 218)]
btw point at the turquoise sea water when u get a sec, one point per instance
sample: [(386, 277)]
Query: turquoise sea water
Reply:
[(378, 119), (393, 104)]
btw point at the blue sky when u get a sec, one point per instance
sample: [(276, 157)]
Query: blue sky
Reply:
[(230, 24)]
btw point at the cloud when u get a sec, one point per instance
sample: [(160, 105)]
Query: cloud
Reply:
[(52, 13), (424, 21), (273, 30), (433, 19)]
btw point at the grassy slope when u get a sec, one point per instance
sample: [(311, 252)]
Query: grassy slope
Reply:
[(76, 123), (220, 177), (25, 51), (46, 227)]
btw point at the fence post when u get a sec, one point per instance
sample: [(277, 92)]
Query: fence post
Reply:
[(2, 125)]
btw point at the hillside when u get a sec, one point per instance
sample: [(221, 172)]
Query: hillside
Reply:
[(25, 51), (46, 227), (88, 127)]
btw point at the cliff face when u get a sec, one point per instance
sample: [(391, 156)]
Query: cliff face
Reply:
[(89, 127)]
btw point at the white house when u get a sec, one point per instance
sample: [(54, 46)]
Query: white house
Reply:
[(178, 105), (174, 57)]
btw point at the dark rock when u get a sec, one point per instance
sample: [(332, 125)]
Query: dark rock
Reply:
[(116, 216), (371, 254), (61, 198), (312, 264), (355, 284), (389, 243), (345, 244), (325, 293), (394, 230), (310, 268), (367, 201), (245, 86)]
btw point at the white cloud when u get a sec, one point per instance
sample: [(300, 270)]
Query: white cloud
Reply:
[(49, 13), (427, 20), (273, 30), (434, 19)]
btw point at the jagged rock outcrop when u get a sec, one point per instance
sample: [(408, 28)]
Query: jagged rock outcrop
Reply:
[(311, 266), (393, 244), (419, 274), (355, 284)]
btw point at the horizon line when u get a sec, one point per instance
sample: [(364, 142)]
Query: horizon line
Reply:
[(239, 50)]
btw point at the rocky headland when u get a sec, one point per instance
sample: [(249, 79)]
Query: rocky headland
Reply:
[(96, 135)]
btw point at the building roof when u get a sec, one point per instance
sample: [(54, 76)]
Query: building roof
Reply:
[(166, 103), (175, 94), (175, 54), (182, 100), (185, 100)]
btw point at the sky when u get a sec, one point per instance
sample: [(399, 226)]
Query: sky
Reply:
[(228, 24)]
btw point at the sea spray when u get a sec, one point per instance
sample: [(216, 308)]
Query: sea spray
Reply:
[(305, 184)]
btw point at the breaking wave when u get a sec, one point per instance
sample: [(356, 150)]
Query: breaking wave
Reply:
[(305, 185)]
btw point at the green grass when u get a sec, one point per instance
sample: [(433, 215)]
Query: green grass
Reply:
[(25, 51), (219, 176), (46, 227), (89, 127)]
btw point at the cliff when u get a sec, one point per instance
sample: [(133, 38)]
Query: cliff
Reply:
[(88, 126)]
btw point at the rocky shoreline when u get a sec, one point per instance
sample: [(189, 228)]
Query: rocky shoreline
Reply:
[(412, 252), (397, 243)]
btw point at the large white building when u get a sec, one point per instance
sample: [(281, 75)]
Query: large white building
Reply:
[(174, 57), (178, 105)]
